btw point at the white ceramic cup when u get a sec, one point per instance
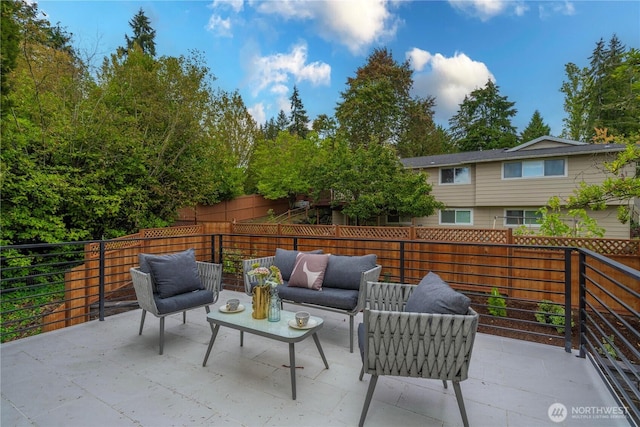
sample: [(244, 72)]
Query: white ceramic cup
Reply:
[(232, 304), (302, 318)]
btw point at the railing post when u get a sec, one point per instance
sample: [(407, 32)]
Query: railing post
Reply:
[(582, 303), (567, 299), (101, 281)]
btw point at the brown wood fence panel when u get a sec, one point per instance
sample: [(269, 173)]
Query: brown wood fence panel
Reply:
[(530, 274), (239, 209)]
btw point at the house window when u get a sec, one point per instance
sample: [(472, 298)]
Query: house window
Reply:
[(455, 175), (456, 217), (516, 217), (534, 168), (394, 218)]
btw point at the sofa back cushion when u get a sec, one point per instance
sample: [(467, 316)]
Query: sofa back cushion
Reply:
[(344, 272), (285, 260)]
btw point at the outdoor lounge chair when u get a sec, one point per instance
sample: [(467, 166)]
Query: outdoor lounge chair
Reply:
[(174, 283), (411, 344)]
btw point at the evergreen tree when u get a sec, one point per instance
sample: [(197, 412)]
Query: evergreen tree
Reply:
[(282, 122), (422, 136), (483, 121), (143, 34), (325, 126), (535, 129), (576, 123), (374, 106), (605, 95), (298, 118)]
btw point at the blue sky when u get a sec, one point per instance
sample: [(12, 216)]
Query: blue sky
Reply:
[(264, 48)]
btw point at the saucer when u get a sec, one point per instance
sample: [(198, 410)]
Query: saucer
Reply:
[(310, 324), (223, 308)]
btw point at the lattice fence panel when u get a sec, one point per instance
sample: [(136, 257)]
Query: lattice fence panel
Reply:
[(602, 246), (461, 235), (376, 232), (257, 229), (307, 230), (184, 230)]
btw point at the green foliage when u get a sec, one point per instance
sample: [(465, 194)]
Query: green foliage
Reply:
[(375, 106), (496, 304), (535, 129), (550, 313), (370, 182), (483, 121), (607, 344), (92, 157), (555, 222), (606, 94)]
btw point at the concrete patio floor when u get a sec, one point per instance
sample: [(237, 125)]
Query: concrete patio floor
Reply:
[(105, 374)]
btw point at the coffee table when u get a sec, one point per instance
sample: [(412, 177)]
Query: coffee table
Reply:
[(279, 331)]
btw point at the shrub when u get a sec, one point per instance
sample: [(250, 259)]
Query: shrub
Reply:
[(497, 304), (551, 313)]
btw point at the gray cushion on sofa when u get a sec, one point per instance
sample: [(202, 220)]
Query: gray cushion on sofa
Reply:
[(172, 274), (344, 272), (345, 299), (285, 260), (433, 295)]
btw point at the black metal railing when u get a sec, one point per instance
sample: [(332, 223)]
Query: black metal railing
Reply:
[(567, 297)]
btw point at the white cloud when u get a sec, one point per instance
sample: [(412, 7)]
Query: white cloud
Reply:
[(219, 26), (354, 23), (556, 8), (257, 112), (235, 5), (449, 79), (418, 58), (487, 9), (271, 72)]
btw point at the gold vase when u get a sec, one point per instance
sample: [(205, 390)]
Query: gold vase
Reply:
[(261, 298)]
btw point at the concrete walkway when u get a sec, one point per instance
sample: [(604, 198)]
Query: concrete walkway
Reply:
[(105, 374)]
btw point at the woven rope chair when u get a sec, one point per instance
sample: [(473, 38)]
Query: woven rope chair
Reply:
[(211, 278), (420, 345)]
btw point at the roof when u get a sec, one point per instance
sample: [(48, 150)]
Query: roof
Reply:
[(565, 148)]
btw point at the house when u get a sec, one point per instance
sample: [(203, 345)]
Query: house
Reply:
[(504, 188)]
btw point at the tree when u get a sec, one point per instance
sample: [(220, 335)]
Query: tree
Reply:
[(368, 182), (483, 121), (325, 126), (143, 34), (576, 124), (298, 119), (9, 46), (535, 129), (604, 95), (422, 136), (374, 104), (622, 183), (282, 122), (284, 166)]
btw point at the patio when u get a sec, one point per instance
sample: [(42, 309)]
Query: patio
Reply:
[(104, 374)]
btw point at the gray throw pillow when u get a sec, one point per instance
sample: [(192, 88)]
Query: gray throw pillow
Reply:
[(285, 260), (433, 295), (344, 272), (172, 274)]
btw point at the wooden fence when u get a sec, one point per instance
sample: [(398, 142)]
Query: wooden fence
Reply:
[(470, 259)]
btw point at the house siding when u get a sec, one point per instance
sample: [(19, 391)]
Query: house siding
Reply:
[(489, 195)]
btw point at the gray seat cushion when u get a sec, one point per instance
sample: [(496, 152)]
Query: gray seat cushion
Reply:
[(172, 274), (344, 299), (184, 301), (344, 272), (433, 295)]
